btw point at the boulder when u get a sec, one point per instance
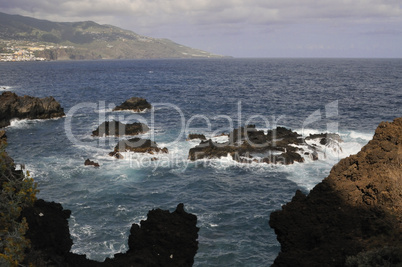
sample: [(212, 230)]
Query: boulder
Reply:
[(116, 128), (353, 215), (89, 162), (13, 106), (135, 104)]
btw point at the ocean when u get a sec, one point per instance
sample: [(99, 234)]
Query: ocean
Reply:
[(232, 201)]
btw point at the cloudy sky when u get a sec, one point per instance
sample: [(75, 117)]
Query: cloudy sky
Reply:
[(244, 28)]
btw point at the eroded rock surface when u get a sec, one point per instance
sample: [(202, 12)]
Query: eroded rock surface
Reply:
[(247, 144), (353, 213), (136, 104), (13, 106), (116, 128), (137, 145)]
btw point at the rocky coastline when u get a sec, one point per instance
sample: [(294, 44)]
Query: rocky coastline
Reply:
[(13, 106), (164, 239), (354, 216)]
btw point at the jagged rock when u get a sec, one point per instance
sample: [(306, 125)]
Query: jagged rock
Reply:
[(325, 138), (196, 136), (89, 162), (356, 209), (209, 149), (135, 104), (117, 128), (13, 106), (48, 233), (245, 141), (164, 239), (117, 155), (138, 145)]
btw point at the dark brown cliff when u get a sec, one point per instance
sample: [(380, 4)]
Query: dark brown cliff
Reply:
[(354, 216)]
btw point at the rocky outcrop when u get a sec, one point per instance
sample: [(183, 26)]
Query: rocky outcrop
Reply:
[(247, 144), (136, 104), (89, 162), (137, 145), (164, 239), (354, 215), (13, 106), (116, 128)]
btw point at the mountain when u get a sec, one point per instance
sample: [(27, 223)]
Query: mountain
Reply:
[(84, 40)]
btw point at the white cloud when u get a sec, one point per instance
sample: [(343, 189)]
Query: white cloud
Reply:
[(199, 23), (222, 11)]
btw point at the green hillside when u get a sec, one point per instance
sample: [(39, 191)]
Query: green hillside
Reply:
[(85, 40)]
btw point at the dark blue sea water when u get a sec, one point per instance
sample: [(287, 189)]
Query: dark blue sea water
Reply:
[(232, 201)]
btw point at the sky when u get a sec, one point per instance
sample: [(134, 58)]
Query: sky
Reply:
[(244, 28)]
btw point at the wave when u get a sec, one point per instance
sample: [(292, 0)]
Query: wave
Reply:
[(27, 123), (359, 135), (6, 88)]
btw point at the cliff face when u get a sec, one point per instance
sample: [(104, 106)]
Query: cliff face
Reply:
[(13, 106), (353, 213)]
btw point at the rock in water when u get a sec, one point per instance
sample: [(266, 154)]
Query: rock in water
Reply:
[(196, 136), (135, 104), (117, 128), (13, 106), (89, 162), (353, 213), (138, 145)]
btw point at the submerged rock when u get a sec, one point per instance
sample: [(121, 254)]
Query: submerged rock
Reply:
[(135, 104), (353, 213), (13, 106), (117, 128)]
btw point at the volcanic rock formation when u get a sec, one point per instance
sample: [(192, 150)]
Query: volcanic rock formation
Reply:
[(137, 145), (135, 104), (354, 216), (247, 144), (13, 106), (117, 128)]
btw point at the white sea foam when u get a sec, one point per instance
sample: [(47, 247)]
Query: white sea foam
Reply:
[(26, 123), (6, 88), (359, 135)]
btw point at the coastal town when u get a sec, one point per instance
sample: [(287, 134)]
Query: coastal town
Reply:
[(14, 51)]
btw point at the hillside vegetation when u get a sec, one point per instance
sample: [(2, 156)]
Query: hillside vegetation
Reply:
[(85, 40)]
